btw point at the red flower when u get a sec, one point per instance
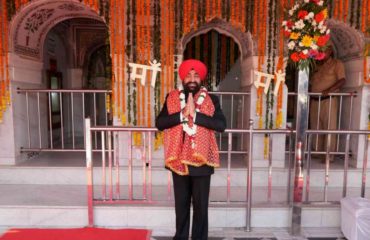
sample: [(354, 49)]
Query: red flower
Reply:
[(303, 56), (302, 14), (312, 53), (319, 17), (320, 56), (322, 40), (289, 24), (295, 57), (315, 1), (286, 33)]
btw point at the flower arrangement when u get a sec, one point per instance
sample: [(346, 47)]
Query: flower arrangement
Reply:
[(307, 32)]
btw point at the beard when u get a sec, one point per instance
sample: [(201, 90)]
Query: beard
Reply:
[(191, 87)]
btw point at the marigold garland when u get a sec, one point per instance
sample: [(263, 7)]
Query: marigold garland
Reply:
[(4, 61), (346, 3), (123, 63)]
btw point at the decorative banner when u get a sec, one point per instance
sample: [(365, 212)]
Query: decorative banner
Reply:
[(154, 67), (279, 76)]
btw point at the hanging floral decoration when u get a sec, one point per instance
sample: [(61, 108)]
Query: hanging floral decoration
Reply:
[(280, 67), (4, 60), (307, 31)]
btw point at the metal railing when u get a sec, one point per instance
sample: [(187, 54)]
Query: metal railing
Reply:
[(74, 105), (114, 186), (347, 134), (113, 190), (69, 107)]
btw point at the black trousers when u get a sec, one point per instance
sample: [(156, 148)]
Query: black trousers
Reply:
[(195, 189)]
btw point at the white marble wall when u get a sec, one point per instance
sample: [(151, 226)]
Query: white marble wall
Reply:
[(24, 73), (7, 145), (361, 109)]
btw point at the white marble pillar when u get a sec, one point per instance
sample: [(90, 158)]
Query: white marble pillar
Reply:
[(24, 73), (360, 111)]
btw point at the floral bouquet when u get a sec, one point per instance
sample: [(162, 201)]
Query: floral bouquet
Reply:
[(307, 32)]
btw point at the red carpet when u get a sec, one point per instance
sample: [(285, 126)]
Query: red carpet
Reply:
[(76, 234)]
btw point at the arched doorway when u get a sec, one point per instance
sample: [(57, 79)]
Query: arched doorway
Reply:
[(221, 54), (51, 44)]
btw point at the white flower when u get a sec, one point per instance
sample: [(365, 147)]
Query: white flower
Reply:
[(300, 44), (182, 100), (320, 3), (311, 14), (314, 46), (191, 130), (300, 24), (322, 31), (283, 23), (328, 31), (306, 1), (291, 11), (305, 52), (291, 45), (314, 23)]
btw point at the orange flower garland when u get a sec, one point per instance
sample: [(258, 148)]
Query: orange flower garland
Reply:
[(214, 7), (116, 56), (346, 3), (335, 9), (112, 51), (243, 14), (2, 56), (280, 67), (255, 15), (186, 24), (219, 8), (163, 47), (123, 64), (4, 68), (195, 16), (366, 19), (148, 41), (6, 48)]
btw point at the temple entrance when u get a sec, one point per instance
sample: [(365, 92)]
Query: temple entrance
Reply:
[(221, 54)]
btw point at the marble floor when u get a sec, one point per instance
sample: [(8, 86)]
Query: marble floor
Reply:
[(255, 234), (264, 234)]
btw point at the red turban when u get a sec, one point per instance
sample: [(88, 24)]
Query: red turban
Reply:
[(187, 65)]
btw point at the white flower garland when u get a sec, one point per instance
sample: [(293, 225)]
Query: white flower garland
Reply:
[(191, 131)]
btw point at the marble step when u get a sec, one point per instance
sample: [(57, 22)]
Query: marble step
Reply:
[(160, 176), (66, 206)]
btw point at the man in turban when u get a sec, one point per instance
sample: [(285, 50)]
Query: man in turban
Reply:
[(190, 116)]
